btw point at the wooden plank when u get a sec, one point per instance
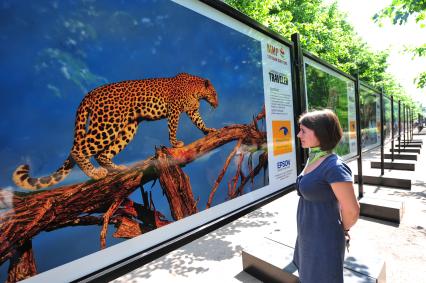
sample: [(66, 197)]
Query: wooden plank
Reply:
[(412, 150), (401, 156), (404, 184), (393, 165), (384, 209)]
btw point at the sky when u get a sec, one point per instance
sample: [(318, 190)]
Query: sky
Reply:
[(392, 37)]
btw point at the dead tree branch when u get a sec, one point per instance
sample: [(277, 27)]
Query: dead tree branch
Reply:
[(222, 173), (26, 215)]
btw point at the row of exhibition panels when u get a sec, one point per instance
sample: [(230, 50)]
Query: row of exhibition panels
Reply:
[(370, 119)]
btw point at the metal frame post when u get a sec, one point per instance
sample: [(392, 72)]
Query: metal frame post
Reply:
[(298, 65), (405, 126), (399, 126), (382, 134), (358, 137), (411, 124), (392, 130)]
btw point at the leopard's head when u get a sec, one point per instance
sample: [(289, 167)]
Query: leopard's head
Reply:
[(209, 94), (200, 87)]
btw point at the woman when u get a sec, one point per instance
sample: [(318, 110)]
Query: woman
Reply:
[(327, 206)]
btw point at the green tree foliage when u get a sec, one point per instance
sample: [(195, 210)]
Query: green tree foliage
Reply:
[(327, 91), (399, 11), (325, 32)]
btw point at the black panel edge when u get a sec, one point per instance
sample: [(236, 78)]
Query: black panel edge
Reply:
[(328, 65), (370, 87), (299, 97), (382, 134), (370, 149), (350, 158), (358, 136), (129, 264), (365, 85), (235, 14), (386, 96), (297, 104)]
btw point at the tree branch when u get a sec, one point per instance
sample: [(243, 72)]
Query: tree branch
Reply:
[(222, 173), (71, 205)]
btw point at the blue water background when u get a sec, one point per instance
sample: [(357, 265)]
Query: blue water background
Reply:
[(53, 52)]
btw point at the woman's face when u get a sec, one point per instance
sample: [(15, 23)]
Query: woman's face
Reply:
[(307, 137)]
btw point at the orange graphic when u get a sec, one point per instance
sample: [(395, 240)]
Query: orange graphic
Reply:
[(352, 132), (281, 137)]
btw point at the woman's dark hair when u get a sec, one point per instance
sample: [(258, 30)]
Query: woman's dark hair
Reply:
[(325, 125)]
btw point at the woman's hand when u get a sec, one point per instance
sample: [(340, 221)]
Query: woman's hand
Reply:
[(347, 239)]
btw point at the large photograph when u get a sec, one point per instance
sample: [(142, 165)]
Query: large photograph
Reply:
[(121, 117), (403, 119), (395, 115), (327, 89), (387, 116), (369, 118)]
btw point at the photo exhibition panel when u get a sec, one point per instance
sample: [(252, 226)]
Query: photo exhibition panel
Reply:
[(129, 123)]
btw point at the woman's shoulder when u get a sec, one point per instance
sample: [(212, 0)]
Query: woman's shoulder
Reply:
[(335, 170), (333, 160)]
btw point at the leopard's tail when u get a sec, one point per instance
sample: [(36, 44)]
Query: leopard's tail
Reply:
[(22, 178)]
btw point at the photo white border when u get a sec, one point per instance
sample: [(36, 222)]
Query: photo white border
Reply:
[(96, 261)]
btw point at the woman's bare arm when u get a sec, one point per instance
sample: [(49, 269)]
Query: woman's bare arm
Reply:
[(345, 194)]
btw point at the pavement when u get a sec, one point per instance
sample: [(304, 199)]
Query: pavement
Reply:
[(216, 257)]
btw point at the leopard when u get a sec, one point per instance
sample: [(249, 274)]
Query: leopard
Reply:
[(109, 115)]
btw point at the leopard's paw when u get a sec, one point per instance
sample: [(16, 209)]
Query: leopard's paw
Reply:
[(117, 168), (178, 144), (121, 167), (98, 173), (209, 130)]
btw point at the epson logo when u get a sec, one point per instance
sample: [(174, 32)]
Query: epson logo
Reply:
[(283, 164)]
